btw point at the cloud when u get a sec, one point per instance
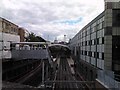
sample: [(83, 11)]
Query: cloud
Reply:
[(52, 18), (70, 22)]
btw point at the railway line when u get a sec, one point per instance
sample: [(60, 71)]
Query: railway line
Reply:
[(56, 74), (65, 78)]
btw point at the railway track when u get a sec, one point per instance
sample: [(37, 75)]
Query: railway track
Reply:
[(64, 78)]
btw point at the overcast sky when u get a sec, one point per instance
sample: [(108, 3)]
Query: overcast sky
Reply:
[(51, 18)]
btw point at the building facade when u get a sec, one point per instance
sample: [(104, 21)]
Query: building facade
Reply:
[(8, 34), (21, 32), (97, 45)]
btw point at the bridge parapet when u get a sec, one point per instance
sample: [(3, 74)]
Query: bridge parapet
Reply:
[(29, 50), (29, 54)]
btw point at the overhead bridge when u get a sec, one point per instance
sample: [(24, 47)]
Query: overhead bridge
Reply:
[(59, 46), (31, 50), (58, 49), (31, 63)]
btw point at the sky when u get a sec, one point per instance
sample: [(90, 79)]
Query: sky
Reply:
[(51, 19)]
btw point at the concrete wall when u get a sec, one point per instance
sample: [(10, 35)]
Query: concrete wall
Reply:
[(112, 29), (98, 86), (5, 45), (8, 33)]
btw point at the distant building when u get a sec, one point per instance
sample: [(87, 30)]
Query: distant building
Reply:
[(97, 45), (21, 32), (8, 34), (55, 41), (49, 43), (26, 34)]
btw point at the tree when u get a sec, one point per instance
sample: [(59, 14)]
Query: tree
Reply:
[(33, 38)]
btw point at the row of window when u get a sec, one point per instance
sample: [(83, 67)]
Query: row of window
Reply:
[(98, 34), (93, 54), (87, 32), (93, 42), (10, 29)]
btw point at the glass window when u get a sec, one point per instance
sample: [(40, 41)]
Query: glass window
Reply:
[(7, 26), (4, 25), (102, 40), (116, 17), (81, 52), (83, 43), (97, 40), (91, 30), (94, 28), (108, 30), (90, 42), (11, 29), (14, 30), (92, 54), (101, 25), (94, 41), (97, 54), (86, 43), (85, 52), (102, 56), (88, 30)]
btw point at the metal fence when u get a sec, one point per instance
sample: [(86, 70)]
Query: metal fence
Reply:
[(107, 79)]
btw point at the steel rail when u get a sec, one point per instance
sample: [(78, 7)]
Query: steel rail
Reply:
[(64, 81)]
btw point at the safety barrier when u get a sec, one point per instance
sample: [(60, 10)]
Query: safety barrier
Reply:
[(107, 79)]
